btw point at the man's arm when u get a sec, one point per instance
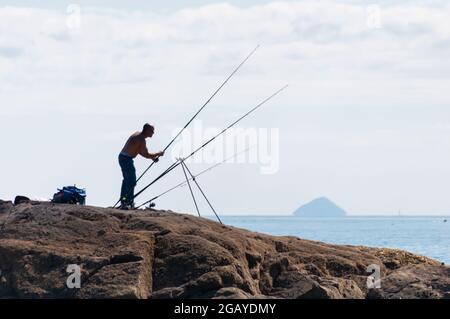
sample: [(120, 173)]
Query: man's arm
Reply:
[(145, 153)]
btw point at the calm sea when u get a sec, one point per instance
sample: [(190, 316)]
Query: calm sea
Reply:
[(428, 236)]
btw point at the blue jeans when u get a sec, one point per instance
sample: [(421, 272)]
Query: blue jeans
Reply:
[(129, 179)]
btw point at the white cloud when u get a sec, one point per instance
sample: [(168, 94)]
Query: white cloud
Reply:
[(303, 42)]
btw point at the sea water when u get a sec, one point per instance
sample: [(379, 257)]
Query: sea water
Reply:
[(427, 236)]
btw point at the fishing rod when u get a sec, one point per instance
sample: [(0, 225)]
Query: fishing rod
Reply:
[(195, 176), (195, 115), (174, 165)]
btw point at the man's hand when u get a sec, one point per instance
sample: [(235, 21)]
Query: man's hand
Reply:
[(156, 156)]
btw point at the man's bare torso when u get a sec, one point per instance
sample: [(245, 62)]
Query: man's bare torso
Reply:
[(135, 144)]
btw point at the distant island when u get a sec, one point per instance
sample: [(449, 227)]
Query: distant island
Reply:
[(320, 207)]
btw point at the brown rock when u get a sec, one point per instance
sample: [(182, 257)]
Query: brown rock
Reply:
[(415, 282), (158, 254)]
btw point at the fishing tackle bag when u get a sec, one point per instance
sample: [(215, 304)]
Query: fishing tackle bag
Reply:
[(70, 195)]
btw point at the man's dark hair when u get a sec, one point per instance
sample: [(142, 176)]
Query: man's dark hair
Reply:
[(148, 127)]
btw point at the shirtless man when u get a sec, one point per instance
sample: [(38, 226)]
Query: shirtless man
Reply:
[(135, 146)]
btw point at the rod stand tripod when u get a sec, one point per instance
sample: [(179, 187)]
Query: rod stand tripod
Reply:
[(186, 171)]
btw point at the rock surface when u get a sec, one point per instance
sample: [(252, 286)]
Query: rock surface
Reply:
[(159, 254)]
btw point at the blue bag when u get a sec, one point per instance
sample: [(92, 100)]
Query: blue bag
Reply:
[(70, 195)]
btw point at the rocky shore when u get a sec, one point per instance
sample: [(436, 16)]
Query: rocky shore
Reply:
[(162, 254)]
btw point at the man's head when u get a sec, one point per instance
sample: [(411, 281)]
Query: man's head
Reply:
[(148, 130)]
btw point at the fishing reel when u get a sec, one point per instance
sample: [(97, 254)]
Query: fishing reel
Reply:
[(151, 205)]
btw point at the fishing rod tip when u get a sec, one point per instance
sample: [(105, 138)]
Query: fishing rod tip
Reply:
[(255, 49), (283, 88)]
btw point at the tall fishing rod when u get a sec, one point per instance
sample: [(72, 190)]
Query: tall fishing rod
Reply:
[(210, 140), (195, 176), (195, 115)]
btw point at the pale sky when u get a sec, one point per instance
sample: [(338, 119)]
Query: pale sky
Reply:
[(365, 120)]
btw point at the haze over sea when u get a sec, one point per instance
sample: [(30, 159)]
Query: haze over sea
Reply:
[(427, 236)]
